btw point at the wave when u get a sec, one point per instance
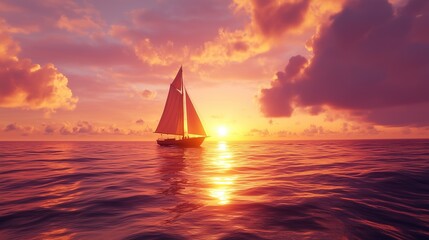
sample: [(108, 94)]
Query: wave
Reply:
[(264, 190)]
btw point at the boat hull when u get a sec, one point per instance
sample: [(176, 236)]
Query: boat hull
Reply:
[(186, 142)]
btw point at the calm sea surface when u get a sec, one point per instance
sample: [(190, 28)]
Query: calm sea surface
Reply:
[(226, 190)]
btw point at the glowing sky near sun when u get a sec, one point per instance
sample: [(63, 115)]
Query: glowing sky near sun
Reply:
[(255, 69)]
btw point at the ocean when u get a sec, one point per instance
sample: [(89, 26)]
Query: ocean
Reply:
[(357, 189)]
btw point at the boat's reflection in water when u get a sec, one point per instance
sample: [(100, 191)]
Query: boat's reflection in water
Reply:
[(172, 169), (220, 180), (179, 170)]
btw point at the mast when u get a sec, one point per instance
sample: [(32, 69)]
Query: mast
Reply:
[(185, 119)]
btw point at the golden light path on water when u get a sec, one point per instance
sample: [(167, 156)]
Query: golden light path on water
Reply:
[(222, 182)]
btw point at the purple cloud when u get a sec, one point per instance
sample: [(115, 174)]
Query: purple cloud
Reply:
[(370, 60)]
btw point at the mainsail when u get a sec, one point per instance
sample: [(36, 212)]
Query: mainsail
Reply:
[(174, 120)]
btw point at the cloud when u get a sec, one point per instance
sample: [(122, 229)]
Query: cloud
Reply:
[(11, 127), (163, 53), (269, 20), (140, 121), (49, 16), (49, 129), (14, 127), (8, 48), (273, 18), (31, 86), (230, 46), (369, 60), (276, 101), (89, 128), (313, 130), (66, 51), (148, 94), (80, 25), (258, 132), (80, 127), (164, 33), (11, 29), (285, 133), (215, 41)]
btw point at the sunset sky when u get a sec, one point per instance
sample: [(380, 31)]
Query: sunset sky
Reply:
[(258, 69)]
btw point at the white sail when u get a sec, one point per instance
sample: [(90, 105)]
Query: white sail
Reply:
[(173, 118)]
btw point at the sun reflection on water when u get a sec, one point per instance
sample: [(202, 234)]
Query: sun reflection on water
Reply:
[(222, 181)]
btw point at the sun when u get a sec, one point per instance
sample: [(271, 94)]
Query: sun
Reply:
[(222, 131)]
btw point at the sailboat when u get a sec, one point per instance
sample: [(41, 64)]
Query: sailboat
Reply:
[(180, 118)]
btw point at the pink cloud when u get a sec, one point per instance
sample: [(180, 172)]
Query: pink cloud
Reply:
[(368, 60), (201, 19), (11, 127), (89, 128), (140, 121), (11, 29), (235, 37), (65, 50), (45, 15), (313, 130), (80, 25), (22, 130), (273, 18), (163, 34), (28, 85), (147, 94), (49, 129), (158, 33)]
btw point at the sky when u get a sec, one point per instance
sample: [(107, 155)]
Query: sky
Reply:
[(254, 69)]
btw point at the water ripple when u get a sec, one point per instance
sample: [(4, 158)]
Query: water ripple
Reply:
[(238, 190)]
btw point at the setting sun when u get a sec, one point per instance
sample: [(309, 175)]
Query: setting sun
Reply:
[(222, 131)]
